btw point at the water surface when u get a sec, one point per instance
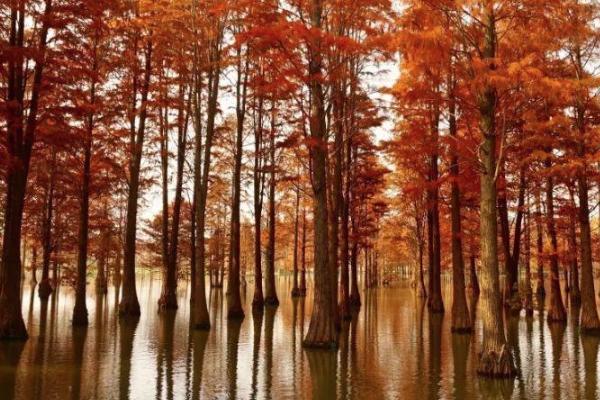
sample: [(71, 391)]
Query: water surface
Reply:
[(393, 349)]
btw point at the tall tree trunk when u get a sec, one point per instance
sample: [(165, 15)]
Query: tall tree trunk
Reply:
[(473, 276), (589, 312), (168, 299), (200, 317), (575, 292), (234, 301), (270, 290), (434, 299), (34, 264), (259, 180), (295, 288), (44, 289), (345, 236), (541, 289), (129, 305), (495, 358), (528, 295), (321, 331), (21, 130), (461, 321), (557, 312), (302, 288)]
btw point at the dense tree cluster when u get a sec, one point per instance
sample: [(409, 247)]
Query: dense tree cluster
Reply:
[(255, 124)]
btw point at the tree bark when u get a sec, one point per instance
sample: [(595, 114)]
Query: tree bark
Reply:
[(259, 180), (434, 299), (461, 322), (557, 312), (296, 288), (45, 289), (575, 293), (234, 301), (270, 290), (495, 358), (541, 290), (129, 305), (20, 129), (321, 331)]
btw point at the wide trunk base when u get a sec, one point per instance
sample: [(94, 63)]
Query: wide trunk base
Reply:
[(235, 312), (44, 289), (129, 308), (436, 305), (12, 327), (557, 315), (589, 324), (271, 301), (167, 301), (461, 323), (494, 364), (80, 316), (296, 292)]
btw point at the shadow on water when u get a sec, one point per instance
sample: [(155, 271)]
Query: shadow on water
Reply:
[(10, 356), (127, 329)]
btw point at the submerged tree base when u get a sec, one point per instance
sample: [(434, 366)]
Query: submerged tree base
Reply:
[(13, 328), (236, 314), (167, 302), (494, 364), (129, 309), (80, 317), (271, 301), (45, 289), (320, 345), (296, 292)]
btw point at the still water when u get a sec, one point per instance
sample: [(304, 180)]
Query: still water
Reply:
[(393, 350)]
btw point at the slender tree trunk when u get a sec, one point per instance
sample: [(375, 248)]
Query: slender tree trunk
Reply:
[(302, 288), (528, 298), (80, 313), (474, 280), (345, 236), (34, 265), (575, 292), (270, 290), (434, 299), (129, 305), (200, 317), (45, 289), (234, 300), (495, 358), (557, 312), (321, 331), (168, 299), (259, 179), (461, 321), (295, 288), (541, 290)]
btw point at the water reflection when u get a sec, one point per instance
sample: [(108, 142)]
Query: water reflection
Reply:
[(394, 348)]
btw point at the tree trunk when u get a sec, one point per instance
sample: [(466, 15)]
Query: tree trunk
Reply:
[(302, 288), (34, 265), (575, 292), (200, 317), (528, 298), (474, 280), (434, 299), (541, 290), (234, 301), (321, 331), (495, 358), (20, 130), (129, 305), (295, 288), (44, 289), (270, 290), (259, 179), (345, 247), (557, 312), (461, 322)]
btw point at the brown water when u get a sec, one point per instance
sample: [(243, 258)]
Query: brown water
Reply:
[(393, 350)]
